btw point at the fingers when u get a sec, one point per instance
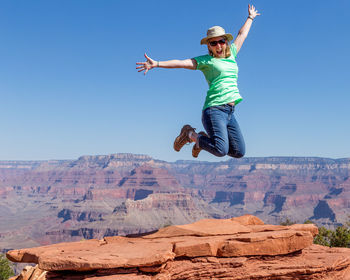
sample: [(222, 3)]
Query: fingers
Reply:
[(145, 66), (147, 57), (251, 7), (142, 65), (252, 10), (142, 68)]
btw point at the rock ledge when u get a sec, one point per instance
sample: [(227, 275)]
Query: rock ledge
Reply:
[(237, 248)]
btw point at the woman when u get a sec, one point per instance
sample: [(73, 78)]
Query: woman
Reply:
[(220, 69)]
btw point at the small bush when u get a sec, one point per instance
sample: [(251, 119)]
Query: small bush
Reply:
[(340, 237), (5, 268), (323, 237)]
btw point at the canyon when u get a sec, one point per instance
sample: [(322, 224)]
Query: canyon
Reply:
[(46, 202)]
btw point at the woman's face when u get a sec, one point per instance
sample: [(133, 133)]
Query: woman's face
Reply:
[(218, 45)]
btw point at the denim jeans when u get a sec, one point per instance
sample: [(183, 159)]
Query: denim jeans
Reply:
[(225, 137)]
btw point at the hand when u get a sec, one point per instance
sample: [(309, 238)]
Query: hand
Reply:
[(252, 11), (145, 66)]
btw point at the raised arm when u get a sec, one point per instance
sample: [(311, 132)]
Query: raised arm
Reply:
[(243, 32), (150, 64)]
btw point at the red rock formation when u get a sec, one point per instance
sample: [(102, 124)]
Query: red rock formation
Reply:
[(148, 176), (238, 248), (97, 196)]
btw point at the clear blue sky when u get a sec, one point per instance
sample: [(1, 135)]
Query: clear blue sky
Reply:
[(69, 87)]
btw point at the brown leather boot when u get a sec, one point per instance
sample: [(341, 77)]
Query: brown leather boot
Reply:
[(183, 138), (196, 149)]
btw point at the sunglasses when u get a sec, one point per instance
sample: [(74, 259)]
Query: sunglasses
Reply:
[(214, 43)]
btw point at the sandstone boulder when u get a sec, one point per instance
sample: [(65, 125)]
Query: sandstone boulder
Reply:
[(238, 248)]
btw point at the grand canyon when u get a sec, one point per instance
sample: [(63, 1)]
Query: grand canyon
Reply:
[(46, 202)]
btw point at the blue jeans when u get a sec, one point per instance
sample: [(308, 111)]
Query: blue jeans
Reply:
[(225, 137)]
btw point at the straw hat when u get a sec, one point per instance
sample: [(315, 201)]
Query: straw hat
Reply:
[(216, 31)]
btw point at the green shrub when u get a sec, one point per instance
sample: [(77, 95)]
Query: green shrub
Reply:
[(323, 237), (5, 268), (340, 237)]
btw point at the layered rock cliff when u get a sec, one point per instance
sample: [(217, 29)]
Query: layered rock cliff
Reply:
[(44, 202)]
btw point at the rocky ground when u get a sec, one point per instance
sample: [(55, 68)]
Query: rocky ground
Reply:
[(237, 248)]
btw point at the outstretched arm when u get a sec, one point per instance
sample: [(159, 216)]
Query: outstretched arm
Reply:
[(243, 32), (150, 64)]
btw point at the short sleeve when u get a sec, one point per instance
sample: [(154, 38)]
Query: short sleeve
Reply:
[(233, 49), (202, 61)]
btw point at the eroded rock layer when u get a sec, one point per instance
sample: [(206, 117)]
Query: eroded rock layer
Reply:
[(123, 194), (237, 248)]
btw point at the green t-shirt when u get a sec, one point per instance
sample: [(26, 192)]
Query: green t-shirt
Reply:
[(221, 75)]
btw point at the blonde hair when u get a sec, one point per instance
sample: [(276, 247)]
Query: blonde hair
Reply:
[(227, 51)]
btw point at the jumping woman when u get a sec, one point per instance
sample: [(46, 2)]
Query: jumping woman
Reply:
[(220, 69)]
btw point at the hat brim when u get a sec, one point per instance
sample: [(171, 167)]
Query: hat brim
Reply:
[(228, 36)]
